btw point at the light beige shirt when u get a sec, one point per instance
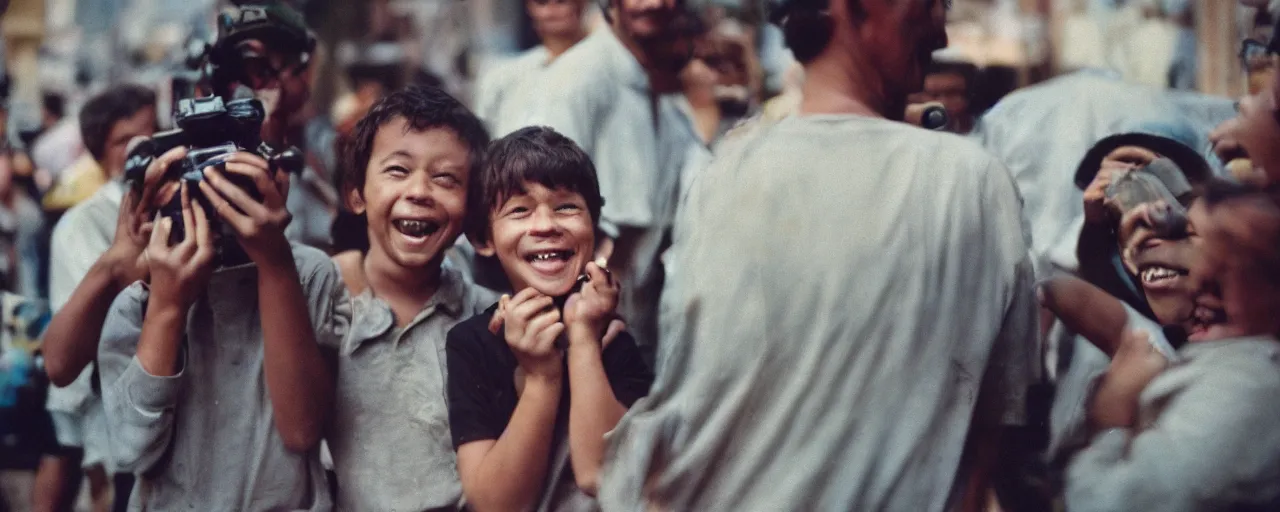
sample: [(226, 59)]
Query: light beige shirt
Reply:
[(850, 288)]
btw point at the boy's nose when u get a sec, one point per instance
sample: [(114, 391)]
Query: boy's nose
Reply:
[(418, 190), (543, 223)]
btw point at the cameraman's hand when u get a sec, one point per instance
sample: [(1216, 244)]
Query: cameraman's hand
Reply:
[(180, 272), (532, 325), (258, 225), (125, 258)]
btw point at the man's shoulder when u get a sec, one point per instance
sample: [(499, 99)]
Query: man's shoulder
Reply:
[(586, 68), (99, 211)]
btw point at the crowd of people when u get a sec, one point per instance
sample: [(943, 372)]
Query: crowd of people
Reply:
[(620, 277)]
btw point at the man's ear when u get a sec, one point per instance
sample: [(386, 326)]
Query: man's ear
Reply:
[(355, 201)]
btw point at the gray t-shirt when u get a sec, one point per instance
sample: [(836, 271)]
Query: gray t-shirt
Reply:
[(390, 435), (204, 439), (851, 288)]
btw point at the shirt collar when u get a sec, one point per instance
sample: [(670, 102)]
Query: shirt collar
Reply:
[(624, 63), (372, 317)]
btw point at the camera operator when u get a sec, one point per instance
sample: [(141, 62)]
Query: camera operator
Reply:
[(857, 302), (266, 52), (262, 47)]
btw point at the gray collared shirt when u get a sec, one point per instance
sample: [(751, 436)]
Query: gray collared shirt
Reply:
[(205, 439), (390, 434)]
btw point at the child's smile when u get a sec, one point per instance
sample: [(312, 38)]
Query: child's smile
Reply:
[(543, 238), (414, 193)]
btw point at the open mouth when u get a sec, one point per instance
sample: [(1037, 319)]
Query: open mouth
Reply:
[(552, 261), (416, 228), (1156, 275)]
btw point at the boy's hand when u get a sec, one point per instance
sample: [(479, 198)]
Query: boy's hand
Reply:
[(258, 225), (588, 312), (532, 326), (126, 257), (180, 272), (1135, 364)]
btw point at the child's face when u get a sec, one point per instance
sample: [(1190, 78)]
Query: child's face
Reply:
[(543, 238), (414, 194), (1168, 272)]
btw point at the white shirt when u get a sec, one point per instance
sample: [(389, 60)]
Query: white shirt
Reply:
[(506, 92), (82, 235), (850, 287)]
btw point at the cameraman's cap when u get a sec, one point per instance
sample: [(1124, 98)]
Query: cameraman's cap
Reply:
[(1175, 141), (275, 24)]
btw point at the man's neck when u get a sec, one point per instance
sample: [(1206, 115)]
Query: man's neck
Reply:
[(840, 82), (557, 45), (660, 81)]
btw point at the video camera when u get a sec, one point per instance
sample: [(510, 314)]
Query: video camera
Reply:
[(214, 127), (212, 131)]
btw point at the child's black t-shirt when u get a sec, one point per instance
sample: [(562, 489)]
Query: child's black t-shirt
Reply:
[(482, 386)]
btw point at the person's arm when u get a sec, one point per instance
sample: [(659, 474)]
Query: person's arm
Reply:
[(594, 410), (507, 471), (1211, 442), (71, 341), (138, 403), (1013, 368), (300, 383), (1086, 309), (141, 357)]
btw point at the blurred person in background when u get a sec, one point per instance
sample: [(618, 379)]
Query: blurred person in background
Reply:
[(108, 122), (722, 83), (503, 92), (952, 85), (617, 95)]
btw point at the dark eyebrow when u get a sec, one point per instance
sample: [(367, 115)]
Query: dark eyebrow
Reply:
[(399, 153)]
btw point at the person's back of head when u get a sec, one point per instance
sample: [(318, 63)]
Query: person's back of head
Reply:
[(111, 119), (873, 50)]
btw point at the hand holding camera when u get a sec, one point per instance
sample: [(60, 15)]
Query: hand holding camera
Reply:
[(126, 257), (179, 272), (257, 216)]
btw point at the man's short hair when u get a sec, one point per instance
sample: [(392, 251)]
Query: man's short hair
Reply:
[(106, 109), (534, 154), (422, 108)]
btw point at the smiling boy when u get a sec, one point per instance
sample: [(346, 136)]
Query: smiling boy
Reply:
[(529, 407), (408, 171)]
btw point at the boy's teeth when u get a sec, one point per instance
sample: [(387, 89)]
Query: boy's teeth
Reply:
[(414, 227), (1153, 274)]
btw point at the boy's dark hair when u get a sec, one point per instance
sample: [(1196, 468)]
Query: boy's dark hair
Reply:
[(106, 109), (422, 108), (535, 154)]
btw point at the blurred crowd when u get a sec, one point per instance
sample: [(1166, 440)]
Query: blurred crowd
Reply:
[(811, 267)]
